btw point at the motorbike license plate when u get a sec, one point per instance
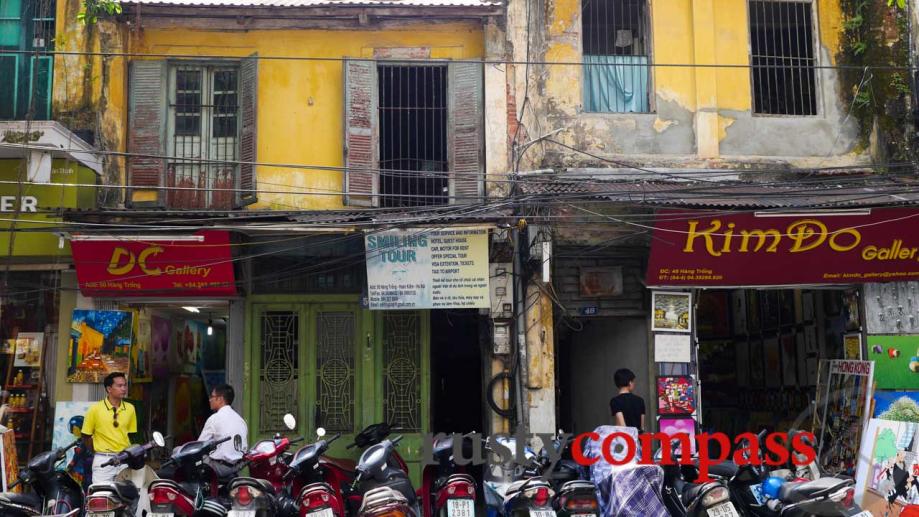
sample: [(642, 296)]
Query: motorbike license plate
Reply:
[(460, 508), (241, 513), (325, 512), (160, 515), (542, 513), (102, 514), (723, 510)]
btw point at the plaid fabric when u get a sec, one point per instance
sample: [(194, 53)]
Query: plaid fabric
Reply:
[(626, 490)]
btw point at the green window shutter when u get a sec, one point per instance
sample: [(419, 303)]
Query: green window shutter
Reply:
[(10, 26), (40, 87)]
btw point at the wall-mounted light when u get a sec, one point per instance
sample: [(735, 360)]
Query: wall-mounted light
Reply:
[(191, 309)]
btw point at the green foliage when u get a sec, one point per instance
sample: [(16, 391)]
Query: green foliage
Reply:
[(93, 9), (903, 409), (901, 4), (886, 446)]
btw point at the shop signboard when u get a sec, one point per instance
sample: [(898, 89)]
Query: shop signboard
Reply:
[(187, 265), (717, 249), (444, 268)]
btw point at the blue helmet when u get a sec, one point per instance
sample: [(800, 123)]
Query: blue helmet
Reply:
[(771, 487), (76, 421)]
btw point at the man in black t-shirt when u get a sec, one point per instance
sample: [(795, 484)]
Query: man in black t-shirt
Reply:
[(627, 408)]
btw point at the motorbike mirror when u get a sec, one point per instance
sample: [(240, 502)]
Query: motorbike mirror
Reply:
[(290, 421), (320, 432), (158, 439)]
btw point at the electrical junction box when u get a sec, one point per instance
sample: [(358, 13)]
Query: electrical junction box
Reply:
[(501, 282)]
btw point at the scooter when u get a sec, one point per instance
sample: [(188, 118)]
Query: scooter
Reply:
[(263, 493), (500, 477), (385, 488), (48, 484), (319, 486), (188, 486), (685, 498), (447, 489), (120, 498)]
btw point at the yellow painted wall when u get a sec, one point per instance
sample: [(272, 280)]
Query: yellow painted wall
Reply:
[(300, 111)]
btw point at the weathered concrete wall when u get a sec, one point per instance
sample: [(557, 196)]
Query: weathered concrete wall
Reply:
[(698, 113)]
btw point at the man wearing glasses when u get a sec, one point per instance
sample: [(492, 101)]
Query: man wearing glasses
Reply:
[(224, 423), (106, 426)]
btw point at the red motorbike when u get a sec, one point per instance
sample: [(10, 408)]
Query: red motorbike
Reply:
[(447, 490), (187, 486), (264, 492)]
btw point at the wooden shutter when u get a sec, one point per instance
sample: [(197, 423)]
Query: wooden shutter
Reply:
[(464, 132), (362, 155), (146, 123), (248, 143)]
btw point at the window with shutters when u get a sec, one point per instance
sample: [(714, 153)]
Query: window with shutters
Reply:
[(782, 57), (25, 80), (617, 56), (413, 133), (202, 136)]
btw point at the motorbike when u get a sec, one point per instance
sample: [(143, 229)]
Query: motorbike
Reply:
[(263, 493), (576, 493), (59, 490), (187, 485), (531, 497), (383, 484), (120, 498), (683, 497), (500, 477), (321, 490), (447, 489)]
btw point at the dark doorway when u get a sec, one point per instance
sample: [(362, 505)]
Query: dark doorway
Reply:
[(413, 135), (456, 382)]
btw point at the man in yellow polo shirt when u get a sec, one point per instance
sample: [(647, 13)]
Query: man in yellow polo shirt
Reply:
[(106, 427)]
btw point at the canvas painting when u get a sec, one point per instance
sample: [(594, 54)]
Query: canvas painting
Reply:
[(739, 311), (902, 406), (842, 411), (672, 311), (789, 355), (676, 396), (889, 466), (189, 344), (161, 333), (28, 349), (68, 421), (754, 318), (769, 301), (853, 346), (896, 360), (787, 305), (8, 460), (100, 343), (672, 426), (810, 340), (141, 364), (850, 305), (713, 314), (773, 362), (807, 306), (757, 369)]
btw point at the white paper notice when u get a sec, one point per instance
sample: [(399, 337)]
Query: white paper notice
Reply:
[(672, 348)]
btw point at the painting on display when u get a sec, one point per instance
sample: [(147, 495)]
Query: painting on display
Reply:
[(850, 306), (141, 364), (896, 360), (28, 346), (853, 346), (672, 426), (757, 370), (739, 311), (754, 318), (807, 306), (789, 354), (68, 421), (676, 396), (889, 465), (801, 356), (100, 343), (769, 301), (842, 411), (672, 311), (712, 316), (190, 408), (188, 345), (773, 360), (902, 406), (743, 363), (787, 307), (810, 340), (161, 333), (8, 460), (890, 308)]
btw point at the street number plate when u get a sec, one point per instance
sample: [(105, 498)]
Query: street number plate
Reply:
[(542, 513), (722, 510), (460, 508)]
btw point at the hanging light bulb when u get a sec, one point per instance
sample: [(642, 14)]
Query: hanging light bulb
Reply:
[(210, 328)]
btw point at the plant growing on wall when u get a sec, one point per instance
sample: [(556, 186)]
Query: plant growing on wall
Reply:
[(93, 9)]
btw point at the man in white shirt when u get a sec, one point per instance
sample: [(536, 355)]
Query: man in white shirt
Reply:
[(224, 423)]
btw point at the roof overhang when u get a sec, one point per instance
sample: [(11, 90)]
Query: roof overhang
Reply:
[(20, 136)]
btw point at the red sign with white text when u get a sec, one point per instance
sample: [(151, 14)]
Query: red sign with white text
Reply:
[(188, 266), (747, 249)]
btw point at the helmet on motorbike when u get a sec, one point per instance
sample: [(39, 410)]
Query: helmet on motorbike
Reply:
[(771, 487), (76, 421)]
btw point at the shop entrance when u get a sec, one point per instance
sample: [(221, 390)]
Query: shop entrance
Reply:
[(760, 350), (456, 359)]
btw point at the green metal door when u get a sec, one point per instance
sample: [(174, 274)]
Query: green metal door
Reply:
[(332, 364)]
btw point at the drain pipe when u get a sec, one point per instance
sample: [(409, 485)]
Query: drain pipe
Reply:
[(522, 374)]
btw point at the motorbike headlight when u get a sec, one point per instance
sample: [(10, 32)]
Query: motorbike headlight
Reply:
[(715, 496)]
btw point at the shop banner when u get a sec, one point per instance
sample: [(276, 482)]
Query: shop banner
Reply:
[(704, 248), (428, 269), (195, 266)]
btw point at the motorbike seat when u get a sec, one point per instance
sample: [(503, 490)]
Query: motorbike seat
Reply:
[(381, 495), (576, 486), (797, 492), (125, 490), (29, 501), (341, 463), (725, 469), (692, 491), (526, 484), (258, 484)]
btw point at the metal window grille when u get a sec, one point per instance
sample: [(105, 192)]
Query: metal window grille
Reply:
[(402, 370), (782, 57), (413, 135), (203, 136), (335, 370), (279, 377), (616, 43)]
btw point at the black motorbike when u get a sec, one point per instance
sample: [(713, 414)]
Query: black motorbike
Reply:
[(119, 498), (684, 497), (48, 484), (188, 486)]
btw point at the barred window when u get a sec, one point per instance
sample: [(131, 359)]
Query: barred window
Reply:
[(616, 43), (782, 57)]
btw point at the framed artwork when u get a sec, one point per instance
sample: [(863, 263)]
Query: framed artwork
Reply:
[(801, 354), (812, 371), (832, 303), (786, 307), (739, 311), (672, 311), (100, 343), (713, 314), (850, 305), (769, 302), (756, 363), (676, 395), (810, 340), (896, 365), (789, 356), (754, 318), (28, 349), (600, 282), (807, 306), (742, 356), (853, 345), (773, 362), (671, 426)]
